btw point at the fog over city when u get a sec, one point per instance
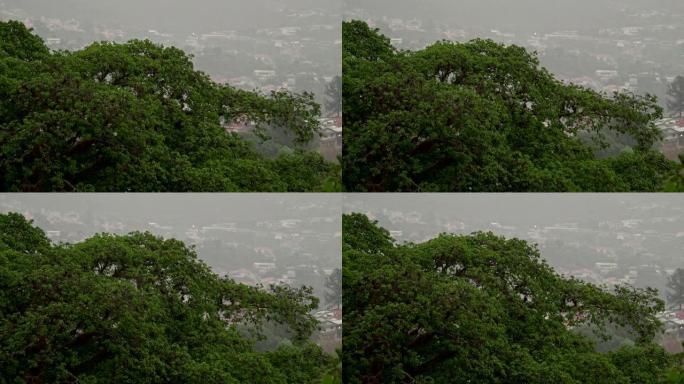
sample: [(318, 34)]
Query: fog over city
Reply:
[(253, 238), (601, 238), (608, 45), (263, 44)]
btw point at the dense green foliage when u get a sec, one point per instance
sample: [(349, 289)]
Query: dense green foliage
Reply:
[(481, 116), (141, 309), (138, 117), (483, 309)]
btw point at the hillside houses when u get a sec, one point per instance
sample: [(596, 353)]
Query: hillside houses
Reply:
[(673, 330), (673, 137)]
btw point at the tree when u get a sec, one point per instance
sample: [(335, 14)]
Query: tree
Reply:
[(17, 41), (675, 91), (481, 308), (139, 117), (139, 308), (481, 116), (360, 41), (333, 287), (648, 365), (675, 287)]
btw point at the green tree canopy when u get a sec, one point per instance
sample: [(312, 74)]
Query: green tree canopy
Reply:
[(481, 116), (483, 309), (138, 117), (138, 308), (18, 42)]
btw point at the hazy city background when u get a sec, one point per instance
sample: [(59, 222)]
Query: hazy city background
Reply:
[(264, 44), (607, 45), (601, 238), (254, 238)]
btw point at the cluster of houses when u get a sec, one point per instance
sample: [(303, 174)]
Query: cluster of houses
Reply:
[(673, 137), (329, 335), (330, 144), (673, 335)]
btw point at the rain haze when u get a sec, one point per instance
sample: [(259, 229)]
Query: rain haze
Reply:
[(611, 239), (253, 238), (607, 45), (251, 44)]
